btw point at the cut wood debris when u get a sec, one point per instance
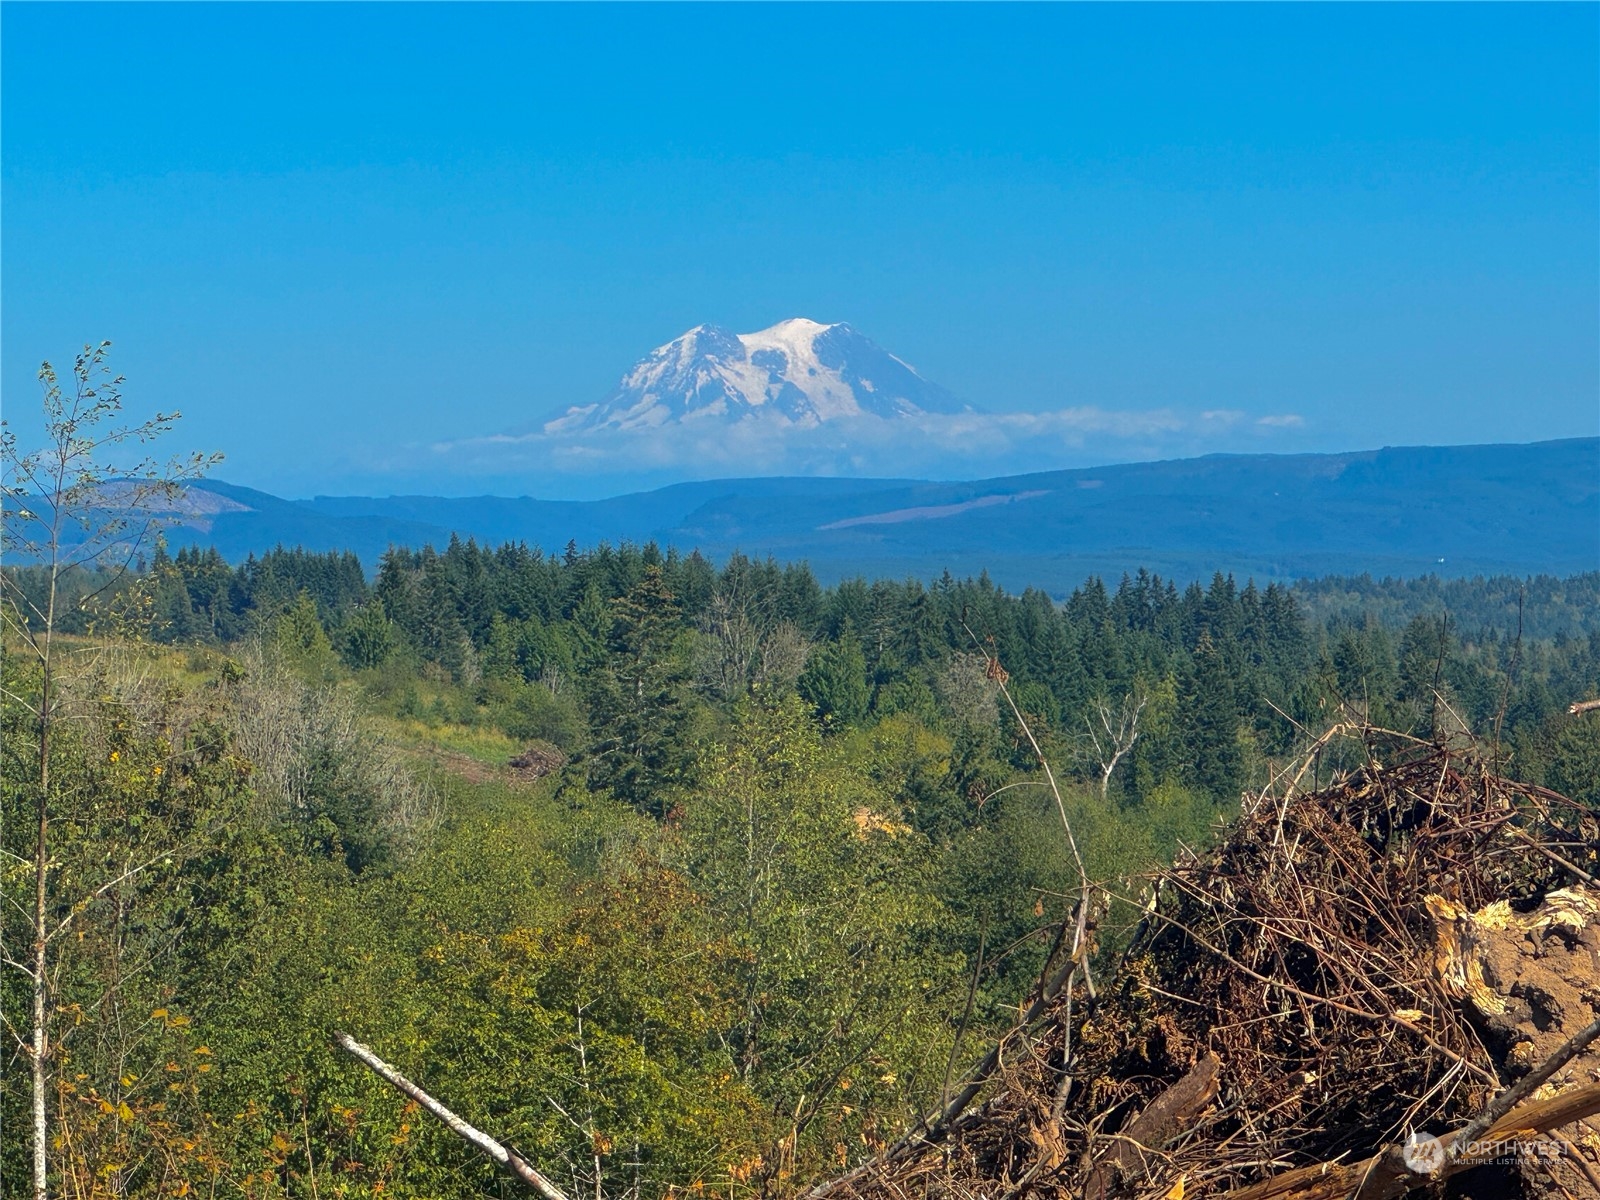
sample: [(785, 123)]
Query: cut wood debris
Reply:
[(1331, 1003)]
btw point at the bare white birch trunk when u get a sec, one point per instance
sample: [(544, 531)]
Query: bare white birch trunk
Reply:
[(508, 1158)]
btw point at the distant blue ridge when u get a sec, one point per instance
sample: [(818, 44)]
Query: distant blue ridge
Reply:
[(1404, 511)]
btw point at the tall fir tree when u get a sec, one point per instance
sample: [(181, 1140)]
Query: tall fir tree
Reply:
[(835, 679), (636, 701), (1208, 724)]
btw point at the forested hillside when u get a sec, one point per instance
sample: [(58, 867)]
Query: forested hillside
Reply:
[(778, 861), (528, 643)]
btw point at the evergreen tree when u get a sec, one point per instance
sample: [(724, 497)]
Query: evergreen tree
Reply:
[(636, 702), (206, 577), (439, 633), (850, 604), (367, 638), (1366, 675), (469, 588), (1208, 725), (298, 634), (396, 592), (500, 658), (835, 679), (800, 599), (172, 614), (1424, 657)]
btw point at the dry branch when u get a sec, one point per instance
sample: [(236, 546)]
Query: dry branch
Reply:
[(1502, 1104), (1288, 999), (502, 1154), (1385, 1175)]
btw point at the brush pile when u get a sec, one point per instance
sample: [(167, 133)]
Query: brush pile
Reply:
[(536, 761), (1353, 964)]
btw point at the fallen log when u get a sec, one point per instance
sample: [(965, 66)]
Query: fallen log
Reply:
[(1386, 1174), (502, 1154), (1168, 1114)]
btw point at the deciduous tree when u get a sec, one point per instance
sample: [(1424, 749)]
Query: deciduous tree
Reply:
[(69, 505)]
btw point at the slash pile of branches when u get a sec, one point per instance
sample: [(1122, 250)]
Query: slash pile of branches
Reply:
[(1412, 950)]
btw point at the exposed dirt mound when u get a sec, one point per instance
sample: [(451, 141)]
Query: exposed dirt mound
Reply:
[(1352, 964)]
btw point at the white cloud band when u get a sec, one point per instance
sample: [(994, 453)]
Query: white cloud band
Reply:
[(965, 444)]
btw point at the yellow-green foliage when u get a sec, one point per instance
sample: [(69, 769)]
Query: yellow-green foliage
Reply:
[(756, 988), (813, 873)]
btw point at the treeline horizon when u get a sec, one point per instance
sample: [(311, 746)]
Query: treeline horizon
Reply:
[(516, 628), (1546, 604)]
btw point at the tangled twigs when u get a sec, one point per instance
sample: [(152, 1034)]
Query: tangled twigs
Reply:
[(1301, 957), (1386, 1174)]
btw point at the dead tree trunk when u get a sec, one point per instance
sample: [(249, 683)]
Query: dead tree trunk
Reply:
[(502, 1154), (1116, 733)]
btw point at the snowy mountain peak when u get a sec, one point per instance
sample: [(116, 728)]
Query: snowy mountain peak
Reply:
[(798, 372)]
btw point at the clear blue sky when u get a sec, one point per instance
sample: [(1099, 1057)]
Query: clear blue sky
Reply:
[(332, 234)]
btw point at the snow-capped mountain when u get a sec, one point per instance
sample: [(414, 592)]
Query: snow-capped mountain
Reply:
[(798, 372)]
